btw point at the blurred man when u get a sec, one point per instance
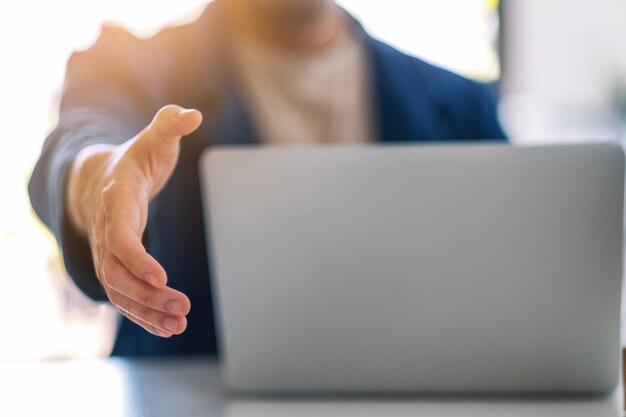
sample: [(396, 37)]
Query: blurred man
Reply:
[(120, 190)]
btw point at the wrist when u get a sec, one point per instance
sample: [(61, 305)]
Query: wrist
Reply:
[(85, 174)]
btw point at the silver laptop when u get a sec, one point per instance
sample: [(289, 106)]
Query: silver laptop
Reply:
[(474, 268)]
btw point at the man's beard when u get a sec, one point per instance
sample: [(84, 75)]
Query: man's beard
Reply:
[(289, 15)]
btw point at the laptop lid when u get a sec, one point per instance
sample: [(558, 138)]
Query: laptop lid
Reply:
[(482, 268)]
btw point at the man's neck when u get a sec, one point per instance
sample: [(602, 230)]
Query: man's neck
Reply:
[(299, 29)]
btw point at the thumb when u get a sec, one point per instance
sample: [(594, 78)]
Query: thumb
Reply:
[(171, 123), (156, 148)]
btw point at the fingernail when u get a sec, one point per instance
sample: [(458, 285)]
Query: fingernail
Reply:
[(174, 307), (184, 112), (170, 324)]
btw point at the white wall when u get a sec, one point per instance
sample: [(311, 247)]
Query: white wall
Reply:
[(454, 34), (563, 59)]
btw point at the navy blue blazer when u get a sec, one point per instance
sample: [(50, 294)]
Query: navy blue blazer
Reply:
[(113, 89)]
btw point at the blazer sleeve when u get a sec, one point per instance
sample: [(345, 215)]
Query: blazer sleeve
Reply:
[(485, 114), (110, 92)]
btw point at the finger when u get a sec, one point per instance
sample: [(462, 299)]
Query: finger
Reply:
[(155, 150), (148, 327), (166, 300), (122, 230), (126, 246), (162, 321)]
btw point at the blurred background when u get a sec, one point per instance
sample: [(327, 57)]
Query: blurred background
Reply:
[(559, 67)]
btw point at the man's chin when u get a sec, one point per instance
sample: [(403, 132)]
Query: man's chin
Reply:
[(293, 13)]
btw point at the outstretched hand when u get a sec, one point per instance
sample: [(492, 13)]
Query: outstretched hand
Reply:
[(109, 188)]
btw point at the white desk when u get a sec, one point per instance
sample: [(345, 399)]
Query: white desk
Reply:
[(191, 388)]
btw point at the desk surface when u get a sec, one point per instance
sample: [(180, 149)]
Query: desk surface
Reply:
[(191, 388)]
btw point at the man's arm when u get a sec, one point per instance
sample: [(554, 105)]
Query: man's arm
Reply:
[(111, 92), (109, 188), (104, 102)]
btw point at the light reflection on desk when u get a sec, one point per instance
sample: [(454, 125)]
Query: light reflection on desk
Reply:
[(191, 387), (91, 388)]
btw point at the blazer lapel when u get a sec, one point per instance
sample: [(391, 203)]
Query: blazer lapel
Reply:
[(400, 106)]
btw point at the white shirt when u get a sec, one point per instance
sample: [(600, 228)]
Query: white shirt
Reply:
[(297, 98)]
